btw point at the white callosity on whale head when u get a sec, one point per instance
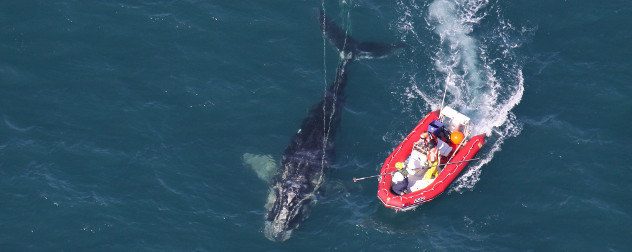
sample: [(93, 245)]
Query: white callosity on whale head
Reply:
[(287, 208)]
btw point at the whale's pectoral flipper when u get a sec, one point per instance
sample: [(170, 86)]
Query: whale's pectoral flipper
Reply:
[(345, 43), (263, 165)]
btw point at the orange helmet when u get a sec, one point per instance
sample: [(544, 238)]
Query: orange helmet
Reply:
[(456, 137)]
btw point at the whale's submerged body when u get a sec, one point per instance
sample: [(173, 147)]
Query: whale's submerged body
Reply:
[(311, 149)]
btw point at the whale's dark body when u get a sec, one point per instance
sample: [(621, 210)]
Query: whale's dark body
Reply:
[(311, 149)]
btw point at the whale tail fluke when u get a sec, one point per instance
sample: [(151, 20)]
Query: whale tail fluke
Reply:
[(348, 45)]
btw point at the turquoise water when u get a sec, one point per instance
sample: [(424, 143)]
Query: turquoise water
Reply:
[(124, 123)]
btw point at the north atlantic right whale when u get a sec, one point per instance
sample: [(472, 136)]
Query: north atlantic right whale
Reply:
[(311, 150)]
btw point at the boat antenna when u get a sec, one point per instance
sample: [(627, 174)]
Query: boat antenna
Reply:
[(445, 90)]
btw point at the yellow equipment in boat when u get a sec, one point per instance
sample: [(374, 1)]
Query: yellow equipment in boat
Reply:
[(432, 172)]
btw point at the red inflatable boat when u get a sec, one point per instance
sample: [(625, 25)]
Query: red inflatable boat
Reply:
[(425, 180)]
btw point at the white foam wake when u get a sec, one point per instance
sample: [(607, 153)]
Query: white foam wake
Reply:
[(478, 65)]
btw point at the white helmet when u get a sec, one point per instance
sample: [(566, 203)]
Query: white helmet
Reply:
[(398, 177)]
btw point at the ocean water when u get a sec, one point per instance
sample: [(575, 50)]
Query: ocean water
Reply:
[(123, 123)]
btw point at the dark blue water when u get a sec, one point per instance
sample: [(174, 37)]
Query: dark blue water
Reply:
[(124, 123)]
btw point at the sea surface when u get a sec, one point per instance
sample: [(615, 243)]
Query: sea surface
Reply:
[(124, 124)]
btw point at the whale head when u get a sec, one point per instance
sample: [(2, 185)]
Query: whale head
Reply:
[(288, 206)]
